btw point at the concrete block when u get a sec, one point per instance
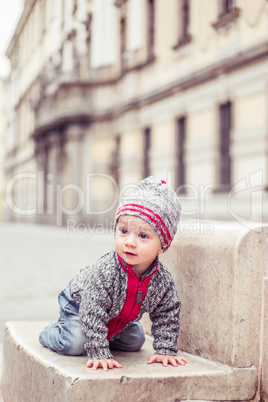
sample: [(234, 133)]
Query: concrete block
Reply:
[(265, 343), (219, 277), (34, 373)]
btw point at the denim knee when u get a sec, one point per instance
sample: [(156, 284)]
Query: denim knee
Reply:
[(74, 342), (131, 340), (136, 336), (65, 336)]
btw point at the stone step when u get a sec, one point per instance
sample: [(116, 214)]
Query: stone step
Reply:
[(31, 372)]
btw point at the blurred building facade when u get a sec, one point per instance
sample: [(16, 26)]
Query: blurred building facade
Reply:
[(103, 93)]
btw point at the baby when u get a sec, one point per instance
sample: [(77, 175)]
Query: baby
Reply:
[(101, 307)]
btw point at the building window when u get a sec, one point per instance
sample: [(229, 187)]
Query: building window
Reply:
[(184, 36), (115, 162), (228, 14), (147, 146), (225, 112), (123, 42), (181, 136), (185, 18), (226, 6), (46, 201), (151, 27), (89, 34)]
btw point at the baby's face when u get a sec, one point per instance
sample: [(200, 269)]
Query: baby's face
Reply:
[(136, 242)]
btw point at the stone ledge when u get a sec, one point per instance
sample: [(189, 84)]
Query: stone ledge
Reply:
[(32, 372)]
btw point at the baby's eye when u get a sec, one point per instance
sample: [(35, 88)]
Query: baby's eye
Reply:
[(143, 236), (124, 231)]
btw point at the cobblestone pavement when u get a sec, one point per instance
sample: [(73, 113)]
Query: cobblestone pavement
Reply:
[(36, 262)]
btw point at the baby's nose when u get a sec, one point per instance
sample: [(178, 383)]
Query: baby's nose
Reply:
[(131, 240)]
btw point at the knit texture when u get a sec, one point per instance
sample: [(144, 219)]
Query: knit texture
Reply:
[(156, 203), (100, 290)]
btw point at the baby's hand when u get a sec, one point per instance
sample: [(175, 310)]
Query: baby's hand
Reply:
[(166, 359), (103, 363)]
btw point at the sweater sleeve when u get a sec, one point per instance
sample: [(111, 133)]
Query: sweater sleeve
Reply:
[(166, 322), (95, 302)]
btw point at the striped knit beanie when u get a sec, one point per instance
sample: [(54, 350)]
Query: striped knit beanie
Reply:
[(156, 203)]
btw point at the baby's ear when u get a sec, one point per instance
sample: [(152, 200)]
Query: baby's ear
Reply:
[(160, 251)]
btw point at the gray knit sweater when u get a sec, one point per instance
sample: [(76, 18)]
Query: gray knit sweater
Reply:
[(100, 290)]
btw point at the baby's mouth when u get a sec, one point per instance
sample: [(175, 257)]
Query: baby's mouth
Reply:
[(130, 254)]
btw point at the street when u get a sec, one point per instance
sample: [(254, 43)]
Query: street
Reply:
[(36, 263)]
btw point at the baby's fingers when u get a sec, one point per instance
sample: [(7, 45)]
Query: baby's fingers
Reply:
[(181, 360), (167, 359), (95, 364), (90, 363), (117, 364), (173, 361), (151, 359), (105, 364)]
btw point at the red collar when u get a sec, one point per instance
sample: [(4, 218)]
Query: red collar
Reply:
[(127, 267)]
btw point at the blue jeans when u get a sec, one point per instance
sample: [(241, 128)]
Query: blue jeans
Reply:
[(65, 335)]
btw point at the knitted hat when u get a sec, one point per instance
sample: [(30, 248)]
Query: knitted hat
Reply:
[(157, 204)]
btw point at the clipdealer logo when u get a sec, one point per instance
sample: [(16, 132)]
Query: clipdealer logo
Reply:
[(43, 196)]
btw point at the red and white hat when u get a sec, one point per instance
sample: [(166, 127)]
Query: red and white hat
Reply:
[(156, 203)]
